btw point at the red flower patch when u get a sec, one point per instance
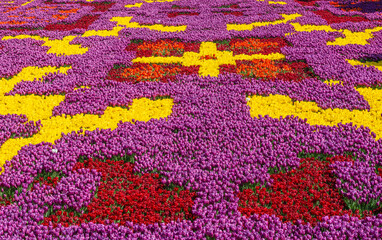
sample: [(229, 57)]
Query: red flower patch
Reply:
[(84, 22), (180, 7), (142, 72), (52, 182), (331, 18), (252, 45), (234, 6), (139, 72), (235, 13), (379, 171), (5, 200), (99, 7), (269, 70), (307, 194), (175, 14), (162, 48), (124, 196), (306, 2)]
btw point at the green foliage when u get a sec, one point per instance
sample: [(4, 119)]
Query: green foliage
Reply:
[(251, 186), (226, 6), (378, 167), (276, 170), (172, 186), (7, 194), (7, 77), (136, 41), (318, 156), (222, 42), (45, 175), (373, 86), (355, 205), (158, 97), (118, 66)]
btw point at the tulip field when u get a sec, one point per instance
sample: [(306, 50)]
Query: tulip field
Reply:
[(190, 119)]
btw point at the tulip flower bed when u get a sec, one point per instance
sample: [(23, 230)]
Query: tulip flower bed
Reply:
[(174, 119)]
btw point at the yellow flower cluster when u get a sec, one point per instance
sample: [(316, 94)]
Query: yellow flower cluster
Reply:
[(280, 105), (377, 65)]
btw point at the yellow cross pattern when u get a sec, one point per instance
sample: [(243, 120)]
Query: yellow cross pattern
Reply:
[(208, 66), (40, 108), (280, 105)]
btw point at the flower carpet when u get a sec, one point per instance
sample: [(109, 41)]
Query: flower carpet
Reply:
[(175, 119)]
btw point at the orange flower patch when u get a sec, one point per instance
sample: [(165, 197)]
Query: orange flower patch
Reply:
[(268, 70), (60, 17), (11, 9), (12, 22), (207, 57), (252, 45), (26, 14), (162, 48), (260, 68), (143, 72), (74, 10)]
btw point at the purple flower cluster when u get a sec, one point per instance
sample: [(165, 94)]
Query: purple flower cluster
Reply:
[(16, 126), (359, 181), (77, 190)]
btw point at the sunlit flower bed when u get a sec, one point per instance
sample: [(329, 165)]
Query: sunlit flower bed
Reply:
[(190, 119)]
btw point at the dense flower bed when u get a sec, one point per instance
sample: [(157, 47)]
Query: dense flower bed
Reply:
[(173, 119)]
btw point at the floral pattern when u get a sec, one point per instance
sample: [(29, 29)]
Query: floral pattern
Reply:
[(173, 119)]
